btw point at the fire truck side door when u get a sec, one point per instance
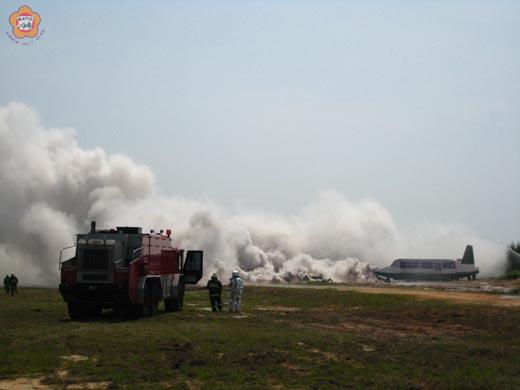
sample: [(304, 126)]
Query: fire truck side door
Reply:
[(192, 269)]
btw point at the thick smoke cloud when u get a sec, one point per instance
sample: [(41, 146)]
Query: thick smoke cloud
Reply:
[(50, 188)]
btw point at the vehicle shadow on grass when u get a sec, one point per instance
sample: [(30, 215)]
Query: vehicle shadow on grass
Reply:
[(111, 316)]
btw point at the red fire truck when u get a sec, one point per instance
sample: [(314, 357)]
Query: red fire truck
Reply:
[(126, 269)]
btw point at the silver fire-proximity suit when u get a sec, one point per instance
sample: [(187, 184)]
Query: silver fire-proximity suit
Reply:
[(237, 286)]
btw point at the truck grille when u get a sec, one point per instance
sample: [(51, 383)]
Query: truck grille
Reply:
[(94, 277), (95, 259)]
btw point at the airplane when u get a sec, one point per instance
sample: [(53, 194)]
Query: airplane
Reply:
[(431, 269)]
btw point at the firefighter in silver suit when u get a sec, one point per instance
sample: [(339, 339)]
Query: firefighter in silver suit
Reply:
[(237, 286)]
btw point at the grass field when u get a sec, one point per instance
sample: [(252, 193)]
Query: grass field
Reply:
[(284, 338)]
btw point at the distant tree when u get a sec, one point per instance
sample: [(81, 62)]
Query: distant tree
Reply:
[(513, 260)]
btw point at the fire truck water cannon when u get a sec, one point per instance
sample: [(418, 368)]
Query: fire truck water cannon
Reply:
[(125, 269)]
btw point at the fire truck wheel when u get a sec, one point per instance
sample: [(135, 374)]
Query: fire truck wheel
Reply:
[(181, 296), (145, 307), (175, 304), (154, 299), (77, 311), (142, 310), (94, 311), (178, 302), (168, 305)]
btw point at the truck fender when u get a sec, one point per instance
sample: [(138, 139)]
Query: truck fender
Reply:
[(141, 286), (169, 286), (175, 283)]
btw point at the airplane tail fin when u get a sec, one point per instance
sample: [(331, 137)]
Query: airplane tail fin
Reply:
[(468, 255)]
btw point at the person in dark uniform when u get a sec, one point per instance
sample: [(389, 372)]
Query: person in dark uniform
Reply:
[(14, 284), (7, 283), (215, 293)]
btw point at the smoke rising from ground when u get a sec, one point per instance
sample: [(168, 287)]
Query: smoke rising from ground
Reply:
[(50, 188)]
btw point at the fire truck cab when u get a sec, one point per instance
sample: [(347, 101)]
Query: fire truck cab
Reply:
[(124, 268)]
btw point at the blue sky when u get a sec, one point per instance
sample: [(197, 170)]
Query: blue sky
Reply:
[(265, 104)]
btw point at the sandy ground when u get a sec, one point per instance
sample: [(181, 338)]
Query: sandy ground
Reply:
[(36, 383), (22, 384), (481, 292), (453, 296), (26, 383)]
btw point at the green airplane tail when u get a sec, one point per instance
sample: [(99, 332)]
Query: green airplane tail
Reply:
[(468, 255)]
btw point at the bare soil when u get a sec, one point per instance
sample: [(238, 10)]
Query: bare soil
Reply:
[(459, 297), (494, 292), (23, 383)]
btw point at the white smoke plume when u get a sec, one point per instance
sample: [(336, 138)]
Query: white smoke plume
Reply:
[(50, 188)]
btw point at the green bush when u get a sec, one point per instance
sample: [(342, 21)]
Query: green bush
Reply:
[(512, 275)]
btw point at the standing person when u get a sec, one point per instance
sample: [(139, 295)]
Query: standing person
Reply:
[(237, 287), (14, 284), (7, 283), (215, 293)]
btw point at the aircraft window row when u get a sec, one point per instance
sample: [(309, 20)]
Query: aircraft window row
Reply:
[(410, 264), (427, 264)]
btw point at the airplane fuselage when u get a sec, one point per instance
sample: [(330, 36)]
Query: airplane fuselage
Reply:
[(427, 270)]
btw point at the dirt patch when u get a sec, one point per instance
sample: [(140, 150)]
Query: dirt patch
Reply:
[(256, 358), (490, 292), (23, 383), (458, 297), (279, 308), (393, 328), (176, 347), (326, 355), (75, 358), (193, 384), (293, 369), (62, 374), (180, 354), (368, 348), (89, 385), (271, 384)]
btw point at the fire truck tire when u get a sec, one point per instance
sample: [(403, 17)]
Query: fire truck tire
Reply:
[(175, 304), (94, 311), (154, 299), (179, 301), (147, 304), (118, 309), (77, 311), (168, 304), (143, 310)]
